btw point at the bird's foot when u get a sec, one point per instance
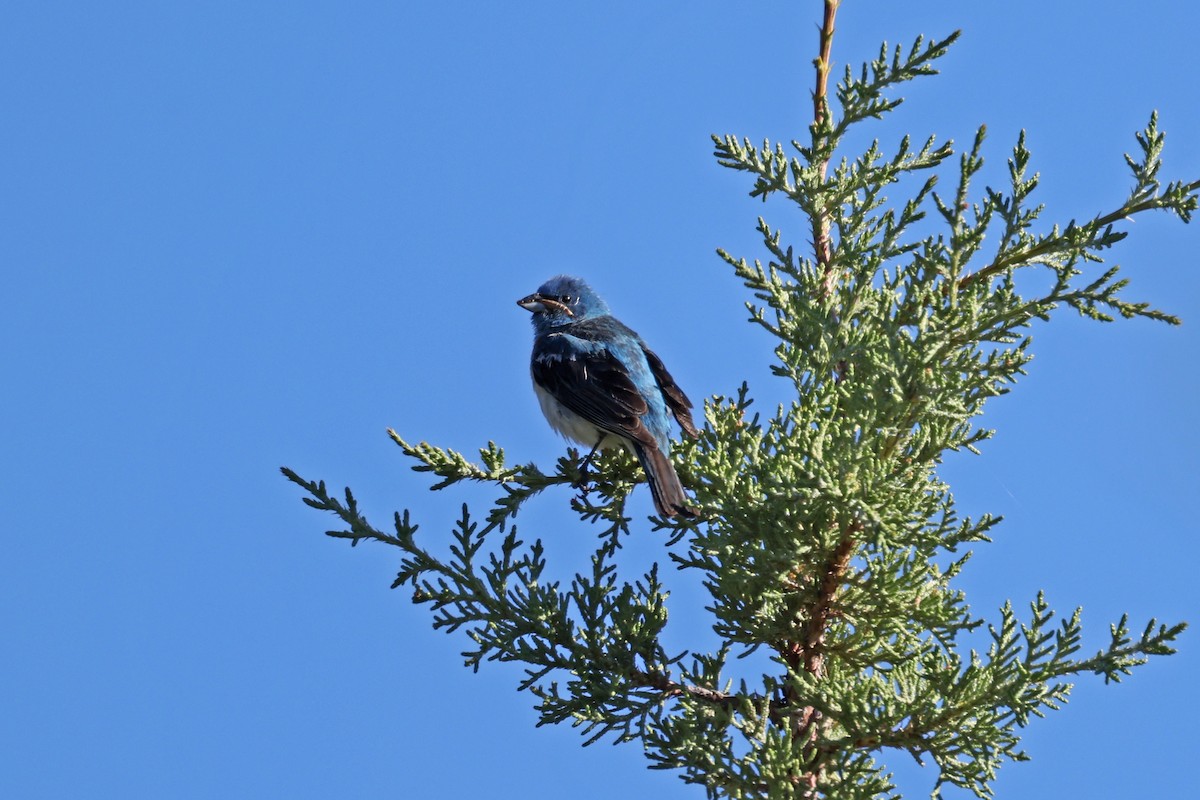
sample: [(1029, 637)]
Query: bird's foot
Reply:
[(583, 480), (584, 465)]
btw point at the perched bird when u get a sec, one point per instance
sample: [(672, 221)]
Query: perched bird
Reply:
[(599, 384)]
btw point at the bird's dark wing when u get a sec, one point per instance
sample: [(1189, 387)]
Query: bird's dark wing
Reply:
[(677, 401), (589, 381)]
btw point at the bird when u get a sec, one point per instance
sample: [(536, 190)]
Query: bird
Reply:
[(599, 384)]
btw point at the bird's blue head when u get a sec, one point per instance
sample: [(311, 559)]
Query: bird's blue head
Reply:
[(562, 300)]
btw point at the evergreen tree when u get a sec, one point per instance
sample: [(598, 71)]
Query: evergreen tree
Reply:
[(825, 538)]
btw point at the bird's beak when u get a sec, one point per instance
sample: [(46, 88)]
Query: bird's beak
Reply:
[(537, 303)]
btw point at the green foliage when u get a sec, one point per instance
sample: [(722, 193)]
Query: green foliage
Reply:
[(826, 538)]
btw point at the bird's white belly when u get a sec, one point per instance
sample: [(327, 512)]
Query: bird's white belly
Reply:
[(568, 423)]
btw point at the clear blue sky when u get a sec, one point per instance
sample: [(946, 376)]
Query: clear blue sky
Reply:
[(236, 235)]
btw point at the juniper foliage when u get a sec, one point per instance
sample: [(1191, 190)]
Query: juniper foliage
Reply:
[(826, 537)]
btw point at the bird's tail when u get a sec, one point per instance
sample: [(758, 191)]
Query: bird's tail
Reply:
[(665, 488)]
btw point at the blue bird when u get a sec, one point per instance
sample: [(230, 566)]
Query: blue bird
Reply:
[(599, 384)]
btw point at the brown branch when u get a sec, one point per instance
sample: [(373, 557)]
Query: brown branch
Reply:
[(672, 689), (818, 621), (809, 653), (822, 246), (823, 65)]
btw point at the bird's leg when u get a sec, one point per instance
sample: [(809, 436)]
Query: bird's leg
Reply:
[(583, 465)]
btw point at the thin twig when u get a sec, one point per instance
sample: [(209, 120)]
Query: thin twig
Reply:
[(672, 689), (822, 246)]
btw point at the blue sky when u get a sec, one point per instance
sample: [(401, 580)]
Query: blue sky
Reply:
[(240, 235)]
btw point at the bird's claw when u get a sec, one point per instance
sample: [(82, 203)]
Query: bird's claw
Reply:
[(582, 482)]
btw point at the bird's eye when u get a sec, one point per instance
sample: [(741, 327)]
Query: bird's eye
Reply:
[(566, 298)]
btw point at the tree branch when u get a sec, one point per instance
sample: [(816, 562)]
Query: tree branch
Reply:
[(822, 247), (1047, 246), (672, 689)]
